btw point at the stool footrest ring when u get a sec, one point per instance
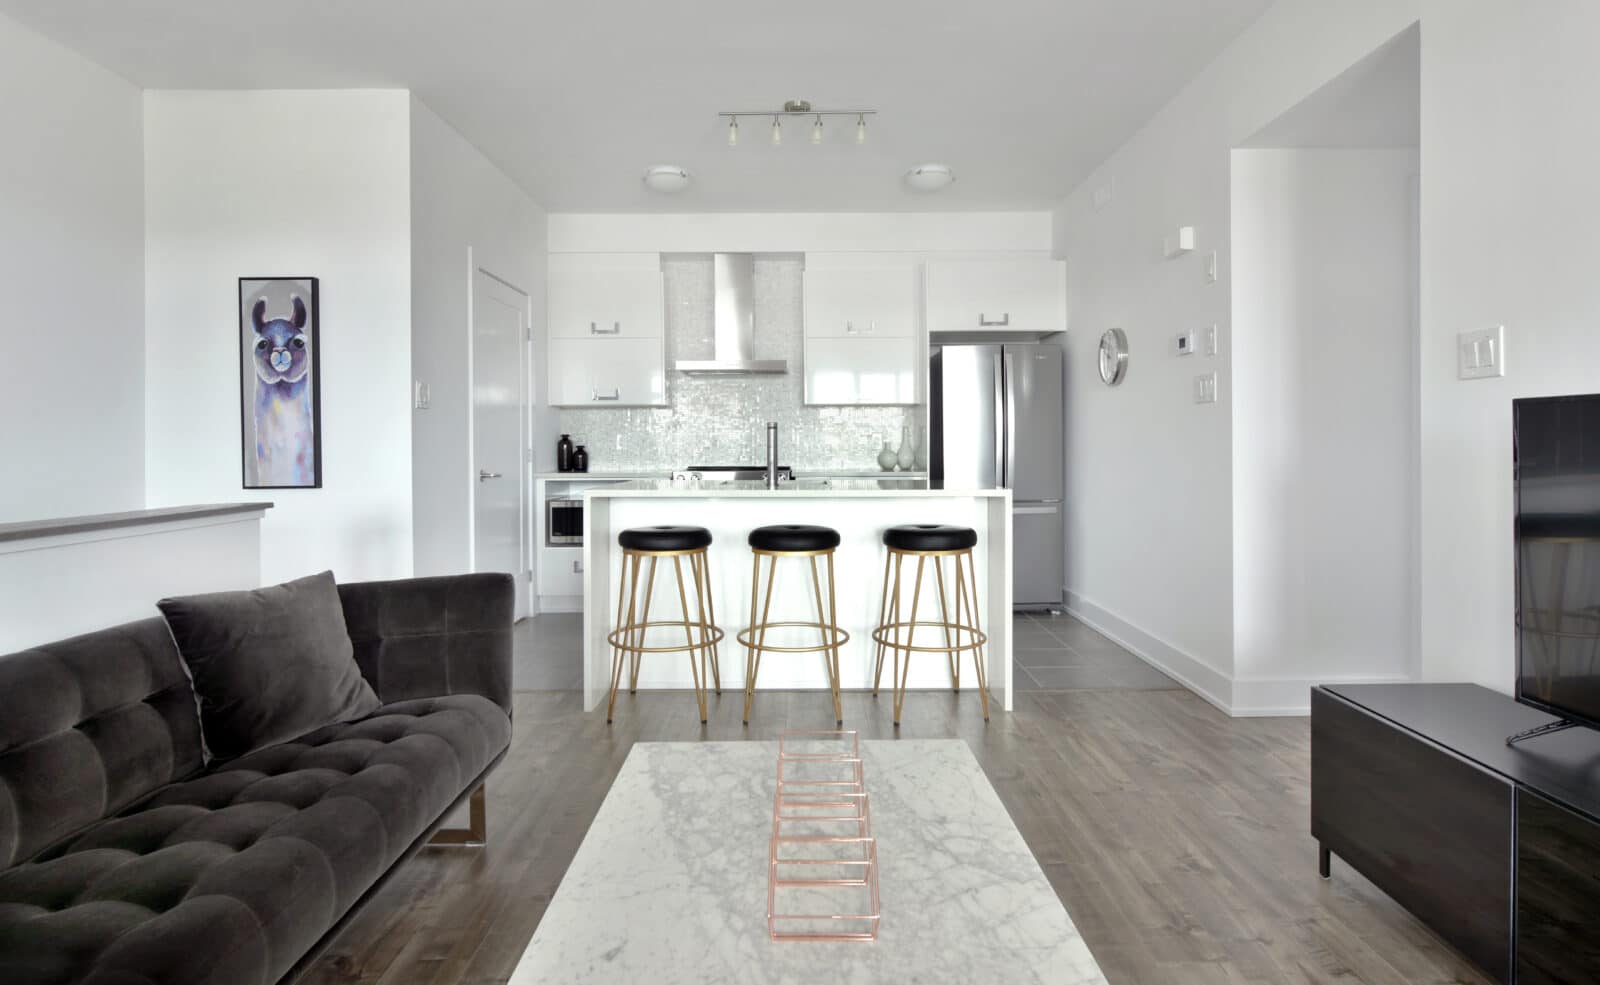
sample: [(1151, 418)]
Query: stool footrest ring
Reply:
[(617, 638), (836, 637), (884, 636)]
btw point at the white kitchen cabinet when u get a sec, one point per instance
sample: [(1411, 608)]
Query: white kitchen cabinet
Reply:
[(861, 370), (608, 373), (606, 302), (860, 302), (976, 296)]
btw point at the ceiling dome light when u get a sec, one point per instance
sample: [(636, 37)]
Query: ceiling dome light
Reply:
[(929, 177), (668, 179)]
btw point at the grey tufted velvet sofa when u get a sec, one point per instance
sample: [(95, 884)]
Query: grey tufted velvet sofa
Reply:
[(125, 860)]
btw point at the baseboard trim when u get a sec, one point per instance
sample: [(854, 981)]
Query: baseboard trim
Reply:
[(560, 603), (1290, 697), (1193, 673)]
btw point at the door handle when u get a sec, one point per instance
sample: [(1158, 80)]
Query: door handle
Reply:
[(1011, 416), (999, 425), (615, 394), (615, 329), (483, 475), (1001, 322)]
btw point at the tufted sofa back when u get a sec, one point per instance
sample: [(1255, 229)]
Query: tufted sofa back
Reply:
[(89, 725)]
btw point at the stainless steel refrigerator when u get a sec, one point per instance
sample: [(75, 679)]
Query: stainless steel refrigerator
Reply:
[(996, 422)]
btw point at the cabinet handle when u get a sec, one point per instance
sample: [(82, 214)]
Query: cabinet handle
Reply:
[(615, 394), (1003, 320), (615, 329)]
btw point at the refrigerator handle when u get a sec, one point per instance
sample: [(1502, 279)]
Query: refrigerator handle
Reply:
[(999, 424), (1011, 416)]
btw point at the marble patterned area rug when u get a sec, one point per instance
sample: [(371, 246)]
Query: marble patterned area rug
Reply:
[(670, 883)]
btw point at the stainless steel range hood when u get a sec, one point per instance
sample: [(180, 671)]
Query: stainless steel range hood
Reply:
[(733, 309)]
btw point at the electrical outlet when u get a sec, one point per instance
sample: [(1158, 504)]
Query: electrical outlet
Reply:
[(422, 395)]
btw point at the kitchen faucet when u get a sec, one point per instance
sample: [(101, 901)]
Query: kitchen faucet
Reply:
[(772, 454)]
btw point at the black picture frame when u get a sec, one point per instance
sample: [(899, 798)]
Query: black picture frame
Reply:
[(278, 323)]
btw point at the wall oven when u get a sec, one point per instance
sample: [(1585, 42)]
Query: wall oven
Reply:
[(563, 522)]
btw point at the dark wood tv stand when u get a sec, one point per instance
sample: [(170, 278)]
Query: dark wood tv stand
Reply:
[(1494, 847)]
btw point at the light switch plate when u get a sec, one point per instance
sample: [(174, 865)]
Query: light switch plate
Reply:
[(1211, 267), (423, 395), (1481, 355), (1210, 345), (1205, 388)]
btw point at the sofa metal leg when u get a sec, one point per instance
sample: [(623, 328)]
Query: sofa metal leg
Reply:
[(475, 834)]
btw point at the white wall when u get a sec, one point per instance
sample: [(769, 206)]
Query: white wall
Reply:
[(800, 232), (71, 274), (1509, 98), (1149, 485), (465, 213), (283, 183), (1324, 423)]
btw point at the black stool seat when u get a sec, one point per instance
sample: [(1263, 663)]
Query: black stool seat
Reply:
[(929, 537), (794, 537), (664, 538)]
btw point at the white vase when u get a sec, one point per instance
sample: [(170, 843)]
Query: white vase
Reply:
[(886, 458), (906, 457), (922, 450)]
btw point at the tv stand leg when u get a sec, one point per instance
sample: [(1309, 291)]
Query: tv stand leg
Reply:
[(1559, 725), (1324, 861)]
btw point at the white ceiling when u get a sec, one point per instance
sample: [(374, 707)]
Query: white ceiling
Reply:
[(1377, 102), (575, 99)]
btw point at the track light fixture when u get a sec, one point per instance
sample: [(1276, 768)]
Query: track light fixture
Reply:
[(798, 107)]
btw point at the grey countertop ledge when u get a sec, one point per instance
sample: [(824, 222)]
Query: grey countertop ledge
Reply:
[(29, 529)]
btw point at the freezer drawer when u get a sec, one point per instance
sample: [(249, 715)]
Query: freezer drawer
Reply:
[(1038, 536)]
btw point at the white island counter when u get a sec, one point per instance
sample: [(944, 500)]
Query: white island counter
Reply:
[(859, 509)]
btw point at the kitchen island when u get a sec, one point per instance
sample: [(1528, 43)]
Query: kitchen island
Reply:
[(859, 509)]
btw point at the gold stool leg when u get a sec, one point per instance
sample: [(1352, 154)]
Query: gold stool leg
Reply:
[(750, 650), (883, 612), (911, 640), (688, 637), (758, 637), (979, 656), (618, 654), (833, 623), (827, 657), (708, 603), (944, 617), (891, 617), (649, 593)]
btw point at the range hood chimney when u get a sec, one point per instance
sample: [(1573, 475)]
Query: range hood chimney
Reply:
[(733, 310)]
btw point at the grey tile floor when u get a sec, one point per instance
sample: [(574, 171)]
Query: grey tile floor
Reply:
[(1052, 653)]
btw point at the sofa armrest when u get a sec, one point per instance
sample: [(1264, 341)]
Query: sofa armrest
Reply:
[(430, 637)]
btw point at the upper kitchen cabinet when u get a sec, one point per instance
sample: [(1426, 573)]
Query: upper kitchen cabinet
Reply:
[(602, 297), (860, 302), (607, 316), (988, 296)]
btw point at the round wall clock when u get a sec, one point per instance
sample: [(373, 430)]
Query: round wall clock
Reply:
[(1113, 356)]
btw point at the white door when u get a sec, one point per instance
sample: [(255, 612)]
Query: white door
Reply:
[(499, 331)]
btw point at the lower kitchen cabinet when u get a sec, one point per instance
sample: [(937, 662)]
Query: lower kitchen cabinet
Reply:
[(607, 373), (861, 371)]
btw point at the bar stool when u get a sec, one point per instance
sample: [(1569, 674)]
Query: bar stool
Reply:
[(925, 541), (798, 541), (628, 638)]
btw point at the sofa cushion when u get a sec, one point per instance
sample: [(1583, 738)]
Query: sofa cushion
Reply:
[(88, 726), (232, 876), (268, 664)]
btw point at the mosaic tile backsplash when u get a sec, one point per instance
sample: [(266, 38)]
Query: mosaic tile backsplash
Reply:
[(720, 420)]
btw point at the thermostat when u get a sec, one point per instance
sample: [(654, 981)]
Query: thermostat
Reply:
[(1185, 343)]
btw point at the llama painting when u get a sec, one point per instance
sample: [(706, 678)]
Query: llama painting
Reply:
[(279, 335)]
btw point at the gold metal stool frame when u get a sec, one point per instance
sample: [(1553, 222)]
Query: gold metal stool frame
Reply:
[(754, 636), (887, 635), (627, 640)]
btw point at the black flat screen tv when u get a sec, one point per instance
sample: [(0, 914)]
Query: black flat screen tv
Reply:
[(1556, 459)]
